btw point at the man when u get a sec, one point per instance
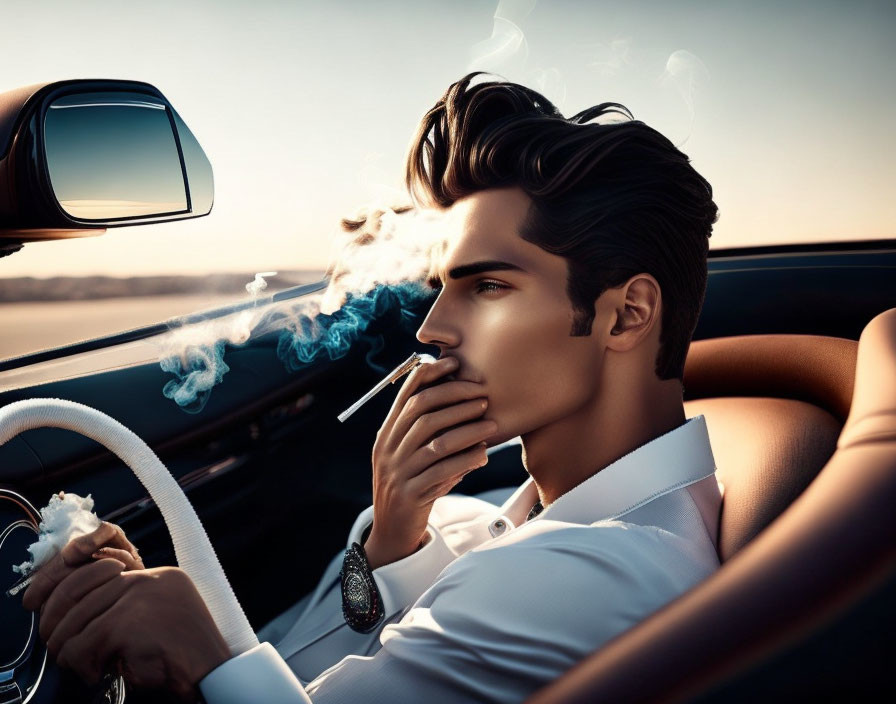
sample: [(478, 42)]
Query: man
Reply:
[(569, 291)]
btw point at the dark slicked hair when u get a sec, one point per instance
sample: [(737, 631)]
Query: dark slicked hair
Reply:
[(614, 198)]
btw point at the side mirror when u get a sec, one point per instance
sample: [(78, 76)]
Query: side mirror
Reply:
[(80, 156)]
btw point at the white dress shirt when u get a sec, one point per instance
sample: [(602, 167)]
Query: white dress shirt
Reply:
[(493, 606)]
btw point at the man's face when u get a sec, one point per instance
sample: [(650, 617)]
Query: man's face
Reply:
[(504, 314)]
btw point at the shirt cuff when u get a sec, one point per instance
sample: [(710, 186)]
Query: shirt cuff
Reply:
[(402, 582), (259, 674)]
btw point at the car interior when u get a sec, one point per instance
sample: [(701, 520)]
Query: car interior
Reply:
[(793, 364)]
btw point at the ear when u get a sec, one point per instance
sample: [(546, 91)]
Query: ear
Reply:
[(638, 310)]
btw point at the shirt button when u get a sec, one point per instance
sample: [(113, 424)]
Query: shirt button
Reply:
[(497, 528)]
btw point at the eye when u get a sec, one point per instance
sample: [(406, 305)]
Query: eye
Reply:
[(488, 286)]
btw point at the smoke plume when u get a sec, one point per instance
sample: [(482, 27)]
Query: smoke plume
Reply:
[(384, 256), (507, 48), (688, 76), (258, 284)]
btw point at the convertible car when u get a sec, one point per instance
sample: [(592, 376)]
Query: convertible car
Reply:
[(793, 365)]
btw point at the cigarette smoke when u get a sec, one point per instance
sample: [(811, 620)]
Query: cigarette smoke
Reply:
[(253, 288), (66, 516), (608, 60), (551, 84), (688, 76), (664, 88), (507, 53), (198, 368), (313, 336), (507, 48), (384, 258)]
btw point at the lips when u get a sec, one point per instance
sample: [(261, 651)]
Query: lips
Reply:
[(455, 376)]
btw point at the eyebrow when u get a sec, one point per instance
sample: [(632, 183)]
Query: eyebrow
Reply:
[(464, 270)]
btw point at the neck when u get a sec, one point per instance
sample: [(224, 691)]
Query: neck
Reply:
[(562, 455)]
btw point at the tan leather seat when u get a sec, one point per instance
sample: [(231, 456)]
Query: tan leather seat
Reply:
[(835, 540), (768, 450), (778, 433)]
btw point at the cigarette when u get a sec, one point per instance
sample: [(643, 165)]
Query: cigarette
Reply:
[(407, 366), (20, 585)]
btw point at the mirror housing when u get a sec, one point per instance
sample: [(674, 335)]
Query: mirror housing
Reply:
[(80, 156)]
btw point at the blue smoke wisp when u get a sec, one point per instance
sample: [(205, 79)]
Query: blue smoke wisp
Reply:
[(194, 379), (302, 341), (334, 335)]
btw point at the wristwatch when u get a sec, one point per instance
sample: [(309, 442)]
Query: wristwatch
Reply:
[(362, 605)]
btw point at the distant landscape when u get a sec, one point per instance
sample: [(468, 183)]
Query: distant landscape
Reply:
[(86, 288), (39, 314)]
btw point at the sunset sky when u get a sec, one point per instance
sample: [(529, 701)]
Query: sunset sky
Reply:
[(305, 109)]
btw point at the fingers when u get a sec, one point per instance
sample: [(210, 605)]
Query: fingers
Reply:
[(452, 442), (151, 624), (432, 399), (85, 654), (438, 479), (429, 425), (74, 601), (77, 552), (45, 581), (424, 374), (92, 647), (123, 556), (82, 549)]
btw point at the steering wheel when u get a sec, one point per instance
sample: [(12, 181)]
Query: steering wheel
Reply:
[(26, 673), (27, 670)]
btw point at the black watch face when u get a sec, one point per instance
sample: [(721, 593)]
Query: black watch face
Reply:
[(362, 605), (356, 593)]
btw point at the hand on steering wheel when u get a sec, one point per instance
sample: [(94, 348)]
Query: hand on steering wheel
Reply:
[(106, 542)]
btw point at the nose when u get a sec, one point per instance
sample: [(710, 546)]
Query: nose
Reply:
[(440, 326)]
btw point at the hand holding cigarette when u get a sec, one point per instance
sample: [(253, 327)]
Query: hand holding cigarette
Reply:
[(429, 441)]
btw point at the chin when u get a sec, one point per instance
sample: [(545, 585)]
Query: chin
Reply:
[(499, 437), (509, 426)]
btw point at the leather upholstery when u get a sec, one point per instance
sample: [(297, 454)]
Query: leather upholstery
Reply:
[(767, 450), (812, 368), (818, 557)]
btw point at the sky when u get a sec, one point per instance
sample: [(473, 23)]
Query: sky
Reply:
[(305, 109)]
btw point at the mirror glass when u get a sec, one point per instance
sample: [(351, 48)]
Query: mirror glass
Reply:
[(113, 155)]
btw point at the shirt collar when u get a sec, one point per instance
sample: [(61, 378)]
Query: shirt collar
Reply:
[(673, 460)]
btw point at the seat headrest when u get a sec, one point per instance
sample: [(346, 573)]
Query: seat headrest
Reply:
[(767, 451), (774, 406)]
